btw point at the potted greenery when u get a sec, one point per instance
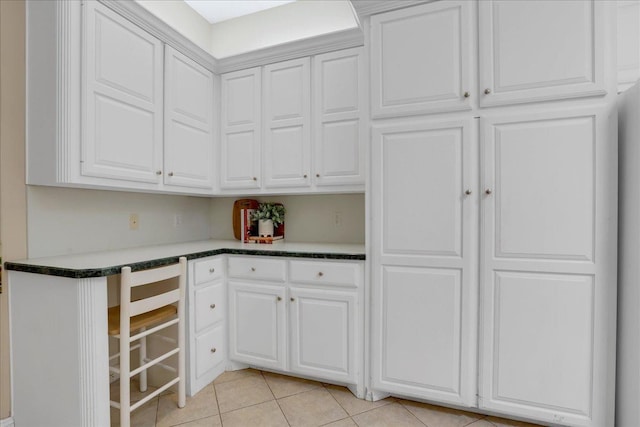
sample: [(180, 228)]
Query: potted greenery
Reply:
[(268, 215)]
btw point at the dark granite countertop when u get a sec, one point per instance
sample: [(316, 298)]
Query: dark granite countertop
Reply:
[(107, 263)]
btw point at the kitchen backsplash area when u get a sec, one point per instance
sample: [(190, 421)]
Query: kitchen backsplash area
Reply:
[(67, 221), (337, 218)]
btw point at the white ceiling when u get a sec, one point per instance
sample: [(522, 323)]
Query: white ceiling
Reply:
[(221, 10)]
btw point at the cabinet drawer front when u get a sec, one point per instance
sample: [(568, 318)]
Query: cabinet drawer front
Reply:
[(258, 268), (208, 270), (325, 273), (209, 350), (209, 304)]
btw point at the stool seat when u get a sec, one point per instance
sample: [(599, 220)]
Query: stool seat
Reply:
[(140, 321)]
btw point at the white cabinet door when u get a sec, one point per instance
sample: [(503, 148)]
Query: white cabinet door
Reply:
[(241, 129), (257, 327), (339, 117), (122, 98), (421, 59), (287, 104), (323, 333), (540, 50), (628, 43), (424, 263), (188, 122), (548, 286)]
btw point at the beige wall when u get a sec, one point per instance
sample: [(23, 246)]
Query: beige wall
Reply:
[(13, 229), (308, 218)]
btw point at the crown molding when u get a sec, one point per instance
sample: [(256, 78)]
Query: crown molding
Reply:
[(296, 49), (370, 7), (149, 22)]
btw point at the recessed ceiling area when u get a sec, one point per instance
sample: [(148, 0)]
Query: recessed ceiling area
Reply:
[(284, 21), (215, 11)]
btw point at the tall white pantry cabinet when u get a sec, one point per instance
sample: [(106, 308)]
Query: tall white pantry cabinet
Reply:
[(495, 193)]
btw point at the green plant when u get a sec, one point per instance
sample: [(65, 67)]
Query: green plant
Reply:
[(272, 211)]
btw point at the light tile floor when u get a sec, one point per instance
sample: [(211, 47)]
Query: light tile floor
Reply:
[(250, 398)]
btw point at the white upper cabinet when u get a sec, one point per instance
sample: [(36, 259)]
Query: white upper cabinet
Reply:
[(339, 117), (628, 43), (241, 129), (188, 121), (122, 98), (421, 59), (287, 138), (540, 50)]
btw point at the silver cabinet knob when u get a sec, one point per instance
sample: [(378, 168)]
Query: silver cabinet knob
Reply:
[(213, 350), (255, 179), (253, 269), (158, 172), (467, 94), (279, 299), (487, 91), (305, 175), (320, 274), (488, 191), (212, 270), (212, 306), (317, 175), (170, 173), (468, 192), (293, 299)]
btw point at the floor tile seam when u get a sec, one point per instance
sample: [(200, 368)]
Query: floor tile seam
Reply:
[(197, 419), (335, 421), (215, 393), (274, 398), (406, 409), (336, 400)]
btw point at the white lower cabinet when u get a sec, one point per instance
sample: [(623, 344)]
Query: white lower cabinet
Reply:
[(535, 238), (309, 324), (323, 333), (206, 322), (257, 324)]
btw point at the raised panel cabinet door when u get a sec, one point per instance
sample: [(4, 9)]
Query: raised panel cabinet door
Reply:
[(257, 327), (424, 285), (122, 98), (421, 59), (287, 133), (339, 117), (241, 129), (323, 333), (188, 122), (548, 267), (540, 50)]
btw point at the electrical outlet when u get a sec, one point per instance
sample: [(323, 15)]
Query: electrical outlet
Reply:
[(134, 221)]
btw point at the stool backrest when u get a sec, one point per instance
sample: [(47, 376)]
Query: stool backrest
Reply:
[(129, 280)]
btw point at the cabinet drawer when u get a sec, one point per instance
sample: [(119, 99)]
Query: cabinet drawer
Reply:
[(209, 350), (258, 268), (209, 304), (208, 270), (325, 273)]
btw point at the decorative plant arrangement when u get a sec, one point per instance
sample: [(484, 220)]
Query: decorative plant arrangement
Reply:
[(268, 215)]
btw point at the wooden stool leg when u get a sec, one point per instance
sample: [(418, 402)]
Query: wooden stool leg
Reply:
[(143, 357)]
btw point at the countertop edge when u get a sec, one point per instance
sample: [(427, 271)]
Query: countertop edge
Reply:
[(87, 273)]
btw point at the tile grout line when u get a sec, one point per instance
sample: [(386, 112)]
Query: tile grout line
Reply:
[(336, 400), (215, 393), (276, 399)]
